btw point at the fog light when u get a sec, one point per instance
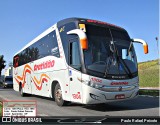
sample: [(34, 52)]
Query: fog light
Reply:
[(95, 97)]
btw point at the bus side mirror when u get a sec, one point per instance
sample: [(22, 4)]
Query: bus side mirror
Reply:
[(145, 45), (82, 36)]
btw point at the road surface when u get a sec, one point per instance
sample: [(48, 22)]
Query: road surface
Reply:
[(141, 106)]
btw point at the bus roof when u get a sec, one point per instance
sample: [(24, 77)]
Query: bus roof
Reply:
[(64, 21), (84, 20)]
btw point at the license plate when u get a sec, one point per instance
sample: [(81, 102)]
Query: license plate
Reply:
[(121, 96)]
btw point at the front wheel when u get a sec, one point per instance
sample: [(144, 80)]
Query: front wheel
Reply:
[(58, 96)]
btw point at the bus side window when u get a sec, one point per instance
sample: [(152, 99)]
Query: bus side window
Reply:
[(54, 50), (64, 37), (48, 46), (75, 55)]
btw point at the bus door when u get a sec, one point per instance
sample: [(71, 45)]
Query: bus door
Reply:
[(75, 74)]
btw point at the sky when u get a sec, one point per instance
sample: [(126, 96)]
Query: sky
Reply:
[(23, 20)]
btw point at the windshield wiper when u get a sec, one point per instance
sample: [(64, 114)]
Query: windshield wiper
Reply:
[(124, 64), (129, 49), (107, 67), (114, 51)]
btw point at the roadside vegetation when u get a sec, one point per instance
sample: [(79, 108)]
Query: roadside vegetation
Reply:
[(149, 77), (0, 109), (149, 92), (149, 74)]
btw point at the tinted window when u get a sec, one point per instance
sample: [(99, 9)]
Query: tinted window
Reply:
[(65, 38), (75, 54), (46, 46), (120, 35), (93, 30), (33, 53)]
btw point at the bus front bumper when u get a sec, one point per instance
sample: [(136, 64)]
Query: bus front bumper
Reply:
[(94, 96)]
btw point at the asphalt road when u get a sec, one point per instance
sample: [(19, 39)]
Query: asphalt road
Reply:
[(141, 106)]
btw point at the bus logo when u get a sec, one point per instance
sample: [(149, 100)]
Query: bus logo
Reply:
[(44, 65), (119, 83)]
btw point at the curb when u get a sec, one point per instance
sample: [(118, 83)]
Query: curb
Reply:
[(150, 88), (149, 96)]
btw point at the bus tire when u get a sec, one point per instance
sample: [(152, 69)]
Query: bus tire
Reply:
[(21, 91), (58, 96)]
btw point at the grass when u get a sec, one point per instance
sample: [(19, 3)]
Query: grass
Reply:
[(149, 92), (149, 74)]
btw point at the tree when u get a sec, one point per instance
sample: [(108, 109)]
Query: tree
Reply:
[(2, 63)]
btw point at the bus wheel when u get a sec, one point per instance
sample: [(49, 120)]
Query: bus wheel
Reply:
[(21, 91), (58, 96)]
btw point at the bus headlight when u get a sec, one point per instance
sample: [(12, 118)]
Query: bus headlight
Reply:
[(97, 86), (87, 82), (94, 85)]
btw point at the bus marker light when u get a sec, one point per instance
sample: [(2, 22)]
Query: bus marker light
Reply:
[(70, 72), (84, 43), (104, 23), (82, 27), (145, 48)]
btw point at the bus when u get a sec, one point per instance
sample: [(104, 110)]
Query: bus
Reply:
[(79, 60)]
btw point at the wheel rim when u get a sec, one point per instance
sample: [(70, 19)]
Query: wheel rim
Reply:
[(59, 95)]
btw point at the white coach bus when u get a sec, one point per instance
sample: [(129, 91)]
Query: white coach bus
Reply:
[(79, 60)]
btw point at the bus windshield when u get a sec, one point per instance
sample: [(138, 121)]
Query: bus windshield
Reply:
[(109, 52)]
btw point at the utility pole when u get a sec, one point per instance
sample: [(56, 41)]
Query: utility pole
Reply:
[(158, 49)]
